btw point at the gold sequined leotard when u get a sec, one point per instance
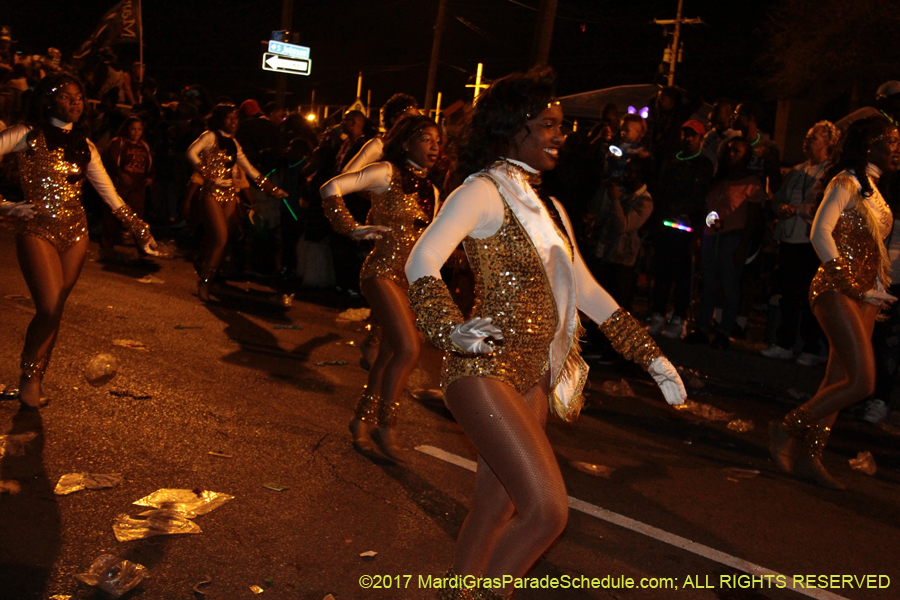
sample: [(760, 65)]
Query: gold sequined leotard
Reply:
[(512, 288), (215, 164), (53, 186), (863, 259), (407, 218)]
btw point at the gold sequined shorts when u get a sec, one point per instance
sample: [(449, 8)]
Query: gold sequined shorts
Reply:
[(61, 235)]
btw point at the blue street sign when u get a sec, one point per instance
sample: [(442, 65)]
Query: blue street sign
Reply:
[(292, 50)]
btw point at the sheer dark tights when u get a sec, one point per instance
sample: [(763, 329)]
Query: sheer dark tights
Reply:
[(50, 276), (520, 505), (220, 220), (399, 347), (850, 373)]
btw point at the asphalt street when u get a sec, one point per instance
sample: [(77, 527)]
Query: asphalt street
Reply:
[(227, 397)]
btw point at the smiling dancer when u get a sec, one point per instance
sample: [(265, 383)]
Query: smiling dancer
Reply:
[(404, 202), (520, 349), (55, 157), (846, 294)]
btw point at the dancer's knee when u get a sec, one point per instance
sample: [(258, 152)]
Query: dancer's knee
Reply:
[(548, 517)]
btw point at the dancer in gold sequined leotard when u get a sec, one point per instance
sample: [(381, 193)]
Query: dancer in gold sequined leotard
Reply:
[(518, 356), (846, 294), (55, 157), (403, 203), (216, 156)]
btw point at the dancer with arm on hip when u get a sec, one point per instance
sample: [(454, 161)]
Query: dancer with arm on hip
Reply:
[(518, 354), (846, 294), (404, 202)]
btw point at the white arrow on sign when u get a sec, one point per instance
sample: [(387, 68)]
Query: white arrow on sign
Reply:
[(297, 66)]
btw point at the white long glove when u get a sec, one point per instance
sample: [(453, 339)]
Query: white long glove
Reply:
[(668, 380), (20, 210), (878, 297), (472, 336), (369, 232)]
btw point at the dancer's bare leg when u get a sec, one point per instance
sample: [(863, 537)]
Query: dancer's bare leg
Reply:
[(509, 435), (397, 354), (50, 276), (492, 508)]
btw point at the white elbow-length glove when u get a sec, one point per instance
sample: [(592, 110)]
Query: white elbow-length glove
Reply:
[(369, 232), (878, 297), (19, 210), (472, 336), (669, 381)]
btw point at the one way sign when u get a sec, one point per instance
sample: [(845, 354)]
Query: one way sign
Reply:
[(284, 64)]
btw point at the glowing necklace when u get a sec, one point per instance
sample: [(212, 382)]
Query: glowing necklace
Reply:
[(680, 157), (756, 141)]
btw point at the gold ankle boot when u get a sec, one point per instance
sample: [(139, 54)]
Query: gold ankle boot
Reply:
[(808, 463), (384, 435), (459, 592), (365, 417)]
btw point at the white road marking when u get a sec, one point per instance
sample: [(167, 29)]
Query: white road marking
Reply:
[(650, 531)]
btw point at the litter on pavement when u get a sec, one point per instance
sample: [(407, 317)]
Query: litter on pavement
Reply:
[(740, 425), (592, 469), (101, 369), (113, 575), (864, 462), (704, 411), (187, 503), (158, 522), (74, 482), (16, 443)]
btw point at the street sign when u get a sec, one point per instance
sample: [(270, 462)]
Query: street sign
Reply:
[(283, 64), (292, 50)]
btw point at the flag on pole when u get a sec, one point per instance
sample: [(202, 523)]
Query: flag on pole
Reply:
[(121, 24)]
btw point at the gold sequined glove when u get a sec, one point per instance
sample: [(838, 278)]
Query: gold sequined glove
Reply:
[(139, 229), (266, 185), (837, 273), (629, 339), (340, 218), (436, 314)]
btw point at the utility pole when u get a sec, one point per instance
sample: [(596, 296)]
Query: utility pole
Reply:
[(287, 15), (435, 55), (543, 33), (673, 52)]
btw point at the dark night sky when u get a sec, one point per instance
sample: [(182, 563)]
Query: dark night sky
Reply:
[(597, 43)]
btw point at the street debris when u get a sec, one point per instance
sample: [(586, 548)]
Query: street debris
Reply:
[(737, 473), (188, 503), (101, 369), (740, 425), (207, 579), (130, 394), (426, 395), (864, 462), (15, 297), (73, 482), (592, 469), (133, 344), (275, 487), (158, 522), (692, 378), (328, 597), (354, 314), (113, 575), (327, 363), (285, 300), (297, 327), (60, 597), (617, 388), (256, 589), (797, 394), (10, 486), (150, 279), (219, 454), (180, 326), (704, 411), (368, 554), (16, 443)]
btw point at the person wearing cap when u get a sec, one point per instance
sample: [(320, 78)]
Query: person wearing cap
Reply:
[(680, 200), (720, 131), (765, 159)]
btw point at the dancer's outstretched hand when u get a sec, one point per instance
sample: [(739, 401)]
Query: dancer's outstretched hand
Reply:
[(669, 381), (472, 336), (150, 247), (878, 298), (369, 232), (19, 210)]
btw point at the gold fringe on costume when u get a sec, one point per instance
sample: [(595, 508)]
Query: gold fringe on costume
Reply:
[(629, 339), (574, 368)]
